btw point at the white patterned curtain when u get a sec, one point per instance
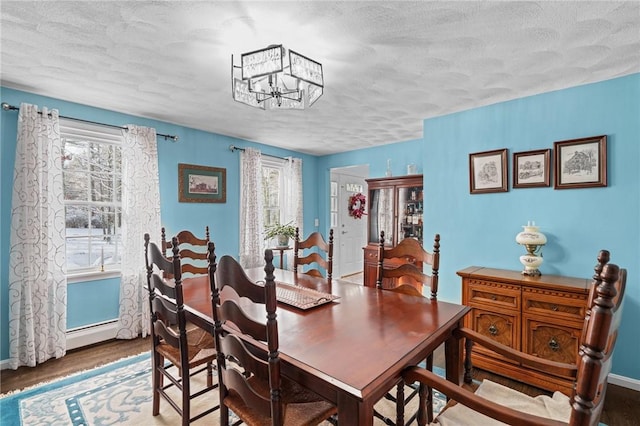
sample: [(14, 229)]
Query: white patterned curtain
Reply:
[(37, 265), (293, 198), (140, 214), (251, 220)]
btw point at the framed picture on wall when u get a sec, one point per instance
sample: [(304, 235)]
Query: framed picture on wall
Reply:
[(201, 184), (581, 163), (531, 169), (488, 171)]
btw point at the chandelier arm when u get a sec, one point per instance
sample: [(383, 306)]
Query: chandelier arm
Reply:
[(298, 98), (289, 91), (266, 98)]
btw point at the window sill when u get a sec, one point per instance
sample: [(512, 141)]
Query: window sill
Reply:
[(80, 277)]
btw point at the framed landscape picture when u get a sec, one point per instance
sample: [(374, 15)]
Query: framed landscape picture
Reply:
[(201, 184), (488, 171), (531, 169), (581, 163)]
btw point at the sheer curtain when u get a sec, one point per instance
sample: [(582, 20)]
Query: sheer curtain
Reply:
[(140, 214), (251, 220), (293, 208), (37, 298)]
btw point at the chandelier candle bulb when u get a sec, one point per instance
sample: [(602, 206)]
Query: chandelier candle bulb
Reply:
[(533, 240)]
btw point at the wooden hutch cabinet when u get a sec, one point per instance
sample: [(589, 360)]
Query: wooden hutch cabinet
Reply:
[(542, 316), (395, 207)]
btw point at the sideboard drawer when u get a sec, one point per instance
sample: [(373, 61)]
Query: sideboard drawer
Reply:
[(558, 305), (493, 294)]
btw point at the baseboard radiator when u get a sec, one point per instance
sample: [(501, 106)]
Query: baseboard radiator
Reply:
[(91, 334), (84, 336)]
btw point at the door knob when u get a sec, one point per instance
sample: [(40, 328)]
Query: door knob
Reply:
[(344, 232)]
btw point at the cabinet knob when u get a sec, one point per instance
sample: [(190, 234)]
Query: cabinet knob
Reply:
[(554, 308), (493, 330), (493, 297), (554, 345)]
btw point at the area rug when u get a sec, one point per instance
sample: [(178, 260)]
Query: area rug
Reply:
[(115, 394)]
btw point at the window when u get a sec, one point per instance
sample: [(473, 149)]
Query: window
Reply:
[(334, 204), (273, 190), (92, 185)]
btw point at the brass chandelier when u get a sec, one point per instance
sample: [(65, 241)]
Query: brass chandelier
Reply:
[(275, 77)]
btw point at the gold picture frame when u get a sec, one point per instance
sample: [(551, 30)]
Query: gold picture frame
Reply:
[(201, 184)]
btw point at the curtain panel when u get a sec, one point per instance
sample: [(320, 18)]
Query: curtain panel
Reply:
[(293, 208), (37, 266), (251, 207), (140, 214)]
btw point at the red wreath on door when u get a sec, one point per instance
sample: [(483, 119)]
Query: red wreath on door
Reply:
[(357, 203)]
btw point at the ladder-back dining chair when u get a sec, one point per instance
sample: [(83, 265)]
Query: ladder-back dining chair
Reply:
[(402, 266), (308, 252), (193, 250), (188, 351), (249, 374), (401, 269), (584, 407)]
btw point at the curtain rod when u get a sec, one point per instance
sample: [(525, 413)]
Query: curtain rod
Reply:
[(7, 107), (234, 148)]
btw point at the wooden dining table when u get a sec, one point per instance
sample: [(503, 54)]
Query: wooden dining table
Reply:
[(351, 351)]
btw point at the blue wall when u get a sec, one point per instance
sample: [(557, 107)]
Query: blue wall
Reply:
[(92, 302), (481, 229), (194, 147), (475, 229)]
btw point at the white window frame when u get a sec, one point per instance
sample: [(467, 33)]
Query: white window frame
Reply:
[(275, 163), (96, 133)]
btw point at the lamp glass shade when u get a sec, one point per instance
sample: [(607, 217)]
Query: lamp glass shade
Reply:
[(531, 236)]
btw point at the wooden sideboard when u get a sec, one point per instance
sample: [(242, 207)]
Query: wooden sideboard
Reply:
[(541, 316)]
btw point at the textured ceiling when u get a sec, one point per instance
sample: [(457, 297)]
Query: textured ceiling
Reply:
[(387, 65)]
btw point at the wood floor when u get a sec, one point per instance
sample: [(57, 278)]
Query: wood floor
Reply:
[(622, 406), (74, 361)]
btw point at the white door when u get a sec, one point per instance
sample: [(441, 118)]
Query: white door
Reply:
[(350, 234)]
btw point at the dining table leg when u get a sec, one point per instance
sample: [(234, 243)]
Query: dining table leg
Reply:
[(453, 350), (352, 411)]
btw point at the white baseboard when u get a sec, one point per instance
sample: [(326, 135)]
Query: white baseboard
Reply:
[(625, 382), (84, 336), (94, 333)]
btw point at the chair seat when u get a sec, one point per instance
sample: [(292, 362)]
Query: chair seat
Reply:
[(301, 406), (201, 348), (555, 407)]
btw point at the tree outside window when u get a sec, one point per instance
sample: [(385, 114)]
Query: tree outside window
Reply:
[(92, 184)]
